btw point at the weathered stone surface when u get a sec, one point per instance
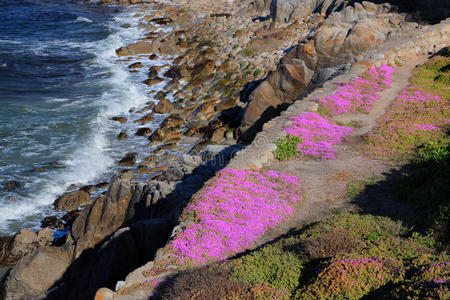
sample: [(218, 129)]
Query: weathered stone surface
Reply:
[(164, 106), (285, 11), (203, 69), (172, 121), (35, 273), (121, 120), (136, 65), (104, 216), (265, 44), (335, 42), (52, 222), (13, 249), (70, 217), (122, 136), (129, 159), (143, 131), (140, 47), (72, 200), (145, 119)]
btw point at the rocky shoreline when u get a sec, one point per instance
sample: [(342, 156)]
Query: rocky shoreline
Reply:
[(228, 74)]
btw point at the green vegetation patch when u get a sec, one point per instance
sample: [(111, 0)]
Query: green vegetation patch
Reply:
[(358, 187), (287, 147), (434, 76)]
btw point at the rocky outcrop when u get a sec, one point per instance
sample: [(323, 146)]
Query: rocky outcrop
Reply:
[(72, 200), (286, 11), (338, 39), (35, 273), (12, 249)]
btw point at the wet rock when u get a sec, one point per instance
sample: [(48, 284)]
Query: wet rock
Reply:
[(102, 185), (147, 118), (162, 21), (153, 57), (162, 134), (12, 185), (153, 81), (172, 121), (143, 131), (88, 188), (203, 69), (129, 160), (72, 200), (52, 222), (164, 106), (122, 136), (121, 120), (70, 217), (140, 47), (142, 169), (160, 95), (136, 65), (173, 72)]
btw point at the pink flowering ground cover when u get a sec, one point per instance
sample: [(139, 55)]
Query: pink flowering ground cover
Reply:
[(232, 211), (415, 117), (318, 135), (360, 94)]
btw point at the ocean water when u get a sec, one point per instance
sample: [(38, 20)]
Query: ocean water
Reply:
[(60, 84)]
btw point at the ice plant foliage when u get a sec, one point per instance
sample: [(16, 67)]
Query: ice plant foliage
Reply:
[(232, 211), (350, 279), (318, 135), (360, 94), (437, 274), (415, 118)]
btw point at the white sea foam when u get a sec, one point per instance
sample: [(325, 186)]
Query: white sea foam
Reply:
[(93, 156), (82, 19)]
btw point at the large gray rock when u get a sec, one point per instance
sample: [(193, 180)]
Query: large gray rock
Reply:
[(12, 249), (35, 273), (354, 30), (286, 11), (98, 249), (72, 200)]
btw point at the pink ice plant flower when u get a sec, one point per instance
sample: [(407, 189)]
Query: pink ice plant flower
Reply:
[(414, 118), (318, 135), (361, 93), (231, 212)]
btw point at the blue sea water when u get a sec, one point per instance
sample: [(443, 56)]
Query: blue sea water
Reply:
[(60, 84)]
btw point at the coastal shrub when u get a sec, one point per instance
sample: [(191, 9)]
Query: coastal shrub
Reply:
[(331, 243), (274, 264), (230, 212), (351, 278), (318, 135), (359, 94), (427, 185), (287, 147), (202, 283), (431, 281), (434, 75), (215, 282), (366, 228)]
